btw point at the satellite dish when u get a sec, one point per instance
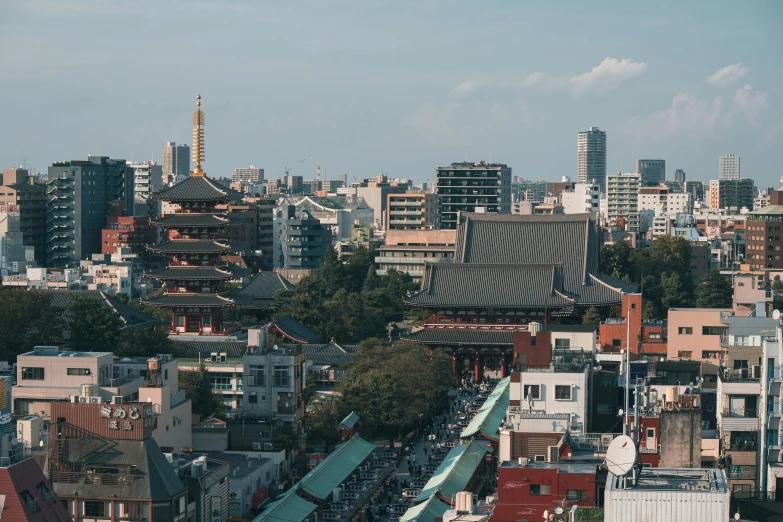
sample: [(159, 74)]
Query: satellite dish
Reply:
[(620, 412), (14, 441), (776, 314), (621, 455), (40, 443), (558, 510), (737, 515)]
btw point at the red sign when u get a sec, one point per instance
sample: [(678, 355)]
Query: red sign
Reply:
[(260, 495)]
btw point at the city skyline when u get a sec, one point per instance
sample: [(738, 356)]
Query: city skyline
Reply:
[(398, 105)]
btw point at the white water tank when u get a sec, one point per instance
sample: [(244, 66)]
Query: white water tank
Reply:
[(672, 394)]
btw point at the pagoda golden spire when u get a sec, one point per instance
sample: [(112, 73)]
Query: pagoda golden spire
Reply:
[(198, 139)]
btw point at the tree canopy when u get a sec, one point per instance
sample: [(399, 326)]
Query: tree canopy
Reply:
[(27, 319), (198, 389), (715, 291), (94, 327)]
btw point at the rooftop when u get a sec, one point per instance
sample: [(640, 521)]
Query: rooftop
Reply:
[(588, 468), (676, 479)]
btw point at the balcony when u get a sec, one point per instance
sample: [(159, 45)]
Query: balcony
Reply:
[(744, 375), (727, 342), (49, 497), (739, 419)]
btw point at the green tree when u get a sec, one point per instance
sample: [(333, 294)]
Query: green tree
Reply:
[(715, 291), (94, 326), (356, 268), (27, 319), (331, 273), (591, 316), (199, 390), (287, 438), (372, 280), (144, 342), (777, 285), (323, 416), (615, 260), (673, 293)]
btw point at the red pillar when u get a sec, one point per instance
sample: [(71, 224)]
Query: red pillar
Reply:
[(503, 365), (454, 363), (477, 368)]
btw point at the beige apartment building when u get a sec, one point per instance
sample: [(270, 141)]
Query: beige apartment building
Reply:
[(409, 250), (697, 334), (412, 211)]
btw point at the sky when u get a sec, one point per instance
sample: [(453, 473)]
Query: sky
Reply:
[(399, 87)]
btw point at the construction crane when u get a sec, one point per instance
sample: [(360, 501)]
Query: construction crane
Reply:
[(288, 169)]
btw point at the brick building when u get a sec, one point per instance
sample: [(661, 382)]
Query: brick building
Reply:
[(132, 232)]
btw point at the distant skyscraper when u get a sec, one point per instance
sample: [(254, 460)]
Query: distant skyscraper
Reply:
[(729, 167), (591, 149), (679, 176), (249, 174), (653, 171), (468, 187), (176, 161)]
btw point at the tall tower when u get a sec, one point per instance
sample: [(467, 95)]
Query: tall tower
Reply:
[(194, 243), (591, 153), (176, 161), (729, 167)]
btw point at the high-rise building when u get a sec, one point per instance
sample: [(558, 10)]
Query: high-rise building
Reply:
[(591, 151), (732, 193), (468, 187), (176, 161), (147, 178), (679, 176), (412, 211), (653, 171), (304, 239), (294, 184), (20, 190), (622, 196), (695, 189), (251, 174), (729, 167), (79, 196)]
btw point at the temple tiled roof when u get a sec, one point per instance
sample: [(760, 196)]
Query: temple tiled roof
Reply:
[(457, 336), (194, 273), (173, 300), (486, 285), (197, 188), (190, 220), (196, 246), (260, 291), (130, 317), (192, 349), (331, 353), (294, 331)]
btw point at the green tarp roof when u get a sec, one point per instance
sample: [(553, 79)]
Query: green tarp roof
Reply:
[(426, 511), (291, 508), (336, 467), (454, 473), (350, 421), (491, 414)]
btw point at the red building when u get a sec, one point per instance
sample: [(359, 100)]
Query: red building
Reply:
[(527, 489), (27, 496), (648, 339), (121, 231)]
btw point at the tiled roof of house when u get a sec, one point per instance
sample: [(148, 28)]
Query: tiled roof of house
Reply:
[(291, 507), (191, 246), (350, 421), (25, 476), (330, 353), (195, 273), (190, 220), (485, 285), (295, 331), (192, 349), (461, 336), (130, 317), (427, 511), (197, 188), (261, 290)]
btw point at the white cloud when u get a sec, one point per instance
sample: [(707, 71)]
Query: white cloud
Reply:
[(607, 75), (751, 103), (690, 115), (728, 74)]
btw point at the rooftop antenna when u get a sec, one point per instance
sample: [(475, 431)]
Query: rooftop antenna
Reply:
[(621, 456)]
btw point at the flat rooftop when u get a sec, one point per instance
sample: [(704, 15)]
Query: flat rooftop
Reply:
[(676, 479), (588, 468), (54, 353)]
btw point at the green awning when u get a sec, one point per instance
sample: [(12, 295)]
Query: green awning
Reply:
[(426, 511), (336, 467), (291, 508), (490, 416), (455, 472)]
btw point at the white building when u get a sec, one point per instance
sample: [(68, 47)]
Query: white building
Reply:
[(729, 167), (651, 198), (622, 196), (176, 162), (111, 279), (147, 179), (249, 175), (584, 197), (550, 400), (591, 157)]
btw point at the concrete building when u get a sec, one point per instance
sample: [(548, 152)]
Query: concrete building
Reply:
[(18, 189), (303, 240), (622, 197), (652, 198), (147, 179), (653, 171), (696, 190), (763, 235), (583, 198), (248, 175), (412, 211), (679, 176), (695, 334), (133, 233), (336, 214), (409, 250), (591, 156), (732, 194), (468, 187), (176, 162), (15, 256), (206, 479), (79, 196), (293, 184), (729, 167)]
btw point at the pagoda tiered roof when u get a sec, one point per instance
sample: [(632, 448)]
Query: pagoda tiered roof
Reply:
[(175, 300), (190, 219), (191, 246), (197, 188), (190, 273)]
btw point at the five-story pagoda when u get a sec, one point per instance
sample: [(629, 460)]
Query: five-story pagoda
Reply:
[(193, 234)]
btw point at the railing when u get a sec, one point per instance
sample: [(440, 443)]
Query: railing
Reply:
[(33, 506), (596, 442), (744, 375), (777, 408), (726, 342), (741, 412), (742, 446), (119, 381), (49, 497), (17, 454), (777, 372), (109, 479)]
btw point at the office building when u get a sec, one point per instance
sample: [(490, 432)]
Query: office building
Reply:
[(591, 151), (732, 193), (660, 197), (729, 167), (622, 196), (763, 232), (695, 189), (303, 239), (409, 251), (653, 171), (583, 198), (412, 211), (679, 176), (249, 175), (472, 187), (295, 184), (79, 195), (19, 190), (176, 161)]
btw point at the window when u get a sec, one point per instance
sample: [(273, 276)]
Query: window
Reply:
[(532, 391), (257, 373), (605, 409), (562, 392), (220, 381), (32, 374), (685, 330), (562, 344), (685, 355), (650, 433), (180, 320), (540, 458), (655, 335), (576, 494), (740, 365), (617, 343), (285, 403), (539, 489), (166, 374), (282, 376), (713, 330), (96, 509), (253, 398), (78, 371)]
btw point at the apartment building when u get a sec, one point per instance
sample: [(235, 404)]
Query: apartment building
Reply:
[(582, 198), (729, 167), (763, 236), (147, 179), (20, 193), (466, 187), (622, 197), (696, 334), (409, 250), (732, 193), (176, 162), (652, 198), (248, 175), (591, 157), (412, 211), (303, 239)]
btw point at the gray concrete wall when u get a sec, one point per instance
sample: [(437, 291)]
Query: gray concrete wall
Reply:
[(681, 438)]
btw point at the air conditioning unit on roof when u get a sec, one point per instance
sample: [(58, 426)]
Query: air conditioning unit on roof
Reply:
[(95, 400), (256, 445), (268, 446), (84, 399)]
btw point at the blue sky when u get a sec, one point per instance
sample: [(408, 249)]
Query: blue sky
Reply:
[(401, 87)]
